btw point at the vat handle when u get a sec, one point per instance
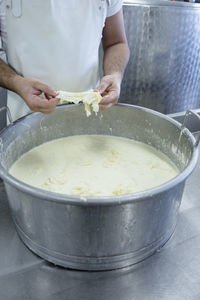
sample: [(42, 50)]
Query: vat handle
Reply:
[(8, 113), (185, 120)]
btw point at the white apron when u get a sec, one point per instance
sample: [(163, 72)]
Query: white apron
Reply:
[(55, 41)]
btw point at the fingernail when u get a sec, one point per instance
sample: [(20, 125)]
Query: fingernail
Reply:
[(54, 92)]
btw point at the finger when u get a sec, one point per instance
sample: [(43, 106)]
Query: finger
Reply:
[(50, 97), (47, 96), (111, 97), (40, 103), (54, 101), (103, 86), (45, 88), (51, 107), (102, 94)]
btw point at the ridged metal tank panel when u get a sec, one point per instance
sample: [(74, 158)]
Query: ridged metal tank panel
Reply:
[(164, 68)]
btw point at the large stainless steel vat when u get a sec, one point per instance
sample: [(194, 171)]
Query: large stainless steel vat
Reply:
[(164, 68), (102, 232)]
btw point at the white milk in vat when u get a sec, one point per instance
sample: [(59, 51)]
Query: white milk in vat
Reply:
[(94, 165)]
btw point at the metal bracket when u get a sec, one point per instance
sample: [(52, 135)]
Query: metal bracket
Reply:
[(185, 120), (8, 113)]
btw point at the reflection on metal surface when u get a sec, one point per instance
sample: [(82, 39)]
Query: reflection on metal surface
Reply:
[(6, 108), (164, 68), (3, 95)]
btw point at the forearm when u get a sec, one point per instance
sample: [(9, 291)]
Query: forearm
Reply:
[(115, 59), (8, 77)]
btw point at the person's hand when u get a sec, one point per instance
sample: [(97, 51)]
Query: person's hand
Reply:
[(31, 89), (109, 88)]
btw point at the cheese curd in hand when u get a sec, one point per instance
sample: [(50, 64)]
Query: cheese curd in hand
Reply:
[(94, 165), (89, 99)]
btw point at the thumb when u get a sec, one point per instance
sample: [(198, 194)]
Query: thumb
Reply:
[(104, 84), (48, 90)]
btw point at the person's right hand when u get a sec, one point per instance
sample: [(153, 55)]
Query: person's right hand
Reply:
[(31, 89)]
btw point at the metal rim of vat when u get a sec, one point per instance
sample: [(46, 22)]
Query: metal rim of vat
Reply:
[(107, 200)]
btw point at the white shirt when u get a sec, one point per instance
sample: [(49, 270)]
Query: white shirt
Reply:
[(113, 7), (55, 41)]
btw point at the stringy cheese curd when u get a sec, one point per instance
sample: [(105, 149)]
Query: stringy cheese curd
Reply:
[(89, 98), (91, 165)]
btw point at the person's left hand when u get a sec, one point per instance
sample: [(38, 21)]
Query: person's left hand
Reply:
[(109, 88)]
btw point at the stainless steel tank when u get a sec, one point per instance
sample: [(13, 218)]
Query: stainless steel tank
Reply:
[(164, 68), (97, 233)]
